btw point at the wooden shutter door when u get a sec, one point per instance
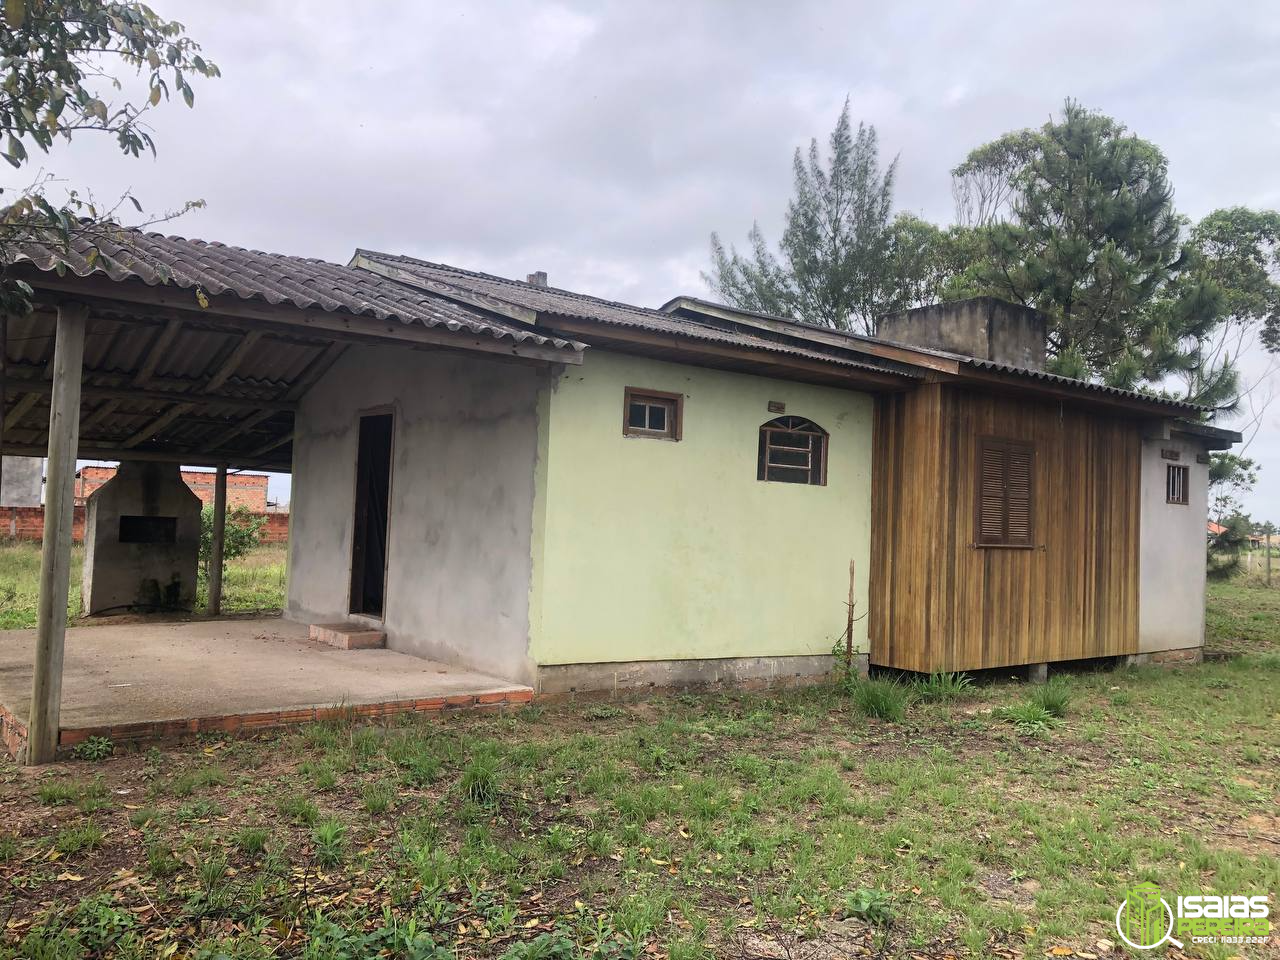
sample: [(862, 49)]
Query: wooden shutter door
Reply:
[(1006, 501), (991, 473), (1020, 465)]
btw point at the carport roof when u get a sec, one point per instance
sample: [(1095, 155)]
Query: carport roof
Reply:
[(199, 352), (210, 269)]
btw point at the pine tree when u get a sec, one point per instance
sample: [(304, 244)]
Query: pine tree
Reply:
[(1094, 241), (834, 264)]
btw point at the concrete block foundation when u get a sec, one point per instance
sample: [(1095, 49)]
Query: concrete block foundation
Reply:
[(622, 679), (1187, 656)]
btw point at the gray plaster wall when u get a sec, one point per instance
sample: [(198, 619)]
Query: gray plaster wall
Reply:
[(461, 509), (21, 481), (1172, 555)]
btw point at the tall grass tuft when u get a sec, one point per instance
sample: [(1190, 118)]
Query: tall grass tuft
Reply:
[(330, 836), (883, 699), (1029, 719), (481, 778), (943, 686), (1054, 697)]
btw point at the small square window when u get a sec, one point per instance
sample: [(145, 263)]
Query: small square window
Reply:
[(652, 413), (1176, 482)]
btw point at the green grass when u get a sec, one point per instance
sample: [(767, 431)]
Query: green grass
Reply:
[(84, 836), (378, 796), (1243, 615), (330, 836), (1054, 697), (943, 686), (1032, 719), (781, 823), (251, 841), (20, 584), (882, 699), (255, 581)]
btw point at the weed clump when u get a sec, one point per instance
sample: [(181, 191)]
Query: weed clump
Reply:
[(1029, 719), (882, 699), (943, 686), (481, 778)]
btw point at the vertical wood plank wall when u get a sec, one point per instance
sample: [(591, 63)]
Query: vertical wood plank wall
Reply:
[(938, 602)]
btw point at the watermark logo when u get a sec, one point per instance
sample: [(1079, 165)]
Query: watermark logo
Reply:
[(1145, 920)]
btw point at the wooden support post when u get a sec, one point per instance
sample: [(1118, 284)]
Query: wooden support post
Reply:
[(1268, 558), (55, 556), (219, 535), (4, 362)]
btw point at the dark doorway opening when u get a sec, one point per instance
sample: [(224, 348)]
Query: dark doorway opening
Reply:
[(373, 493)]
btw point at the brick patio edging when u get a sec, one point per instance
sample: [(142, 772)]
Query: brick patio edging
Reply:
[(14, 732)]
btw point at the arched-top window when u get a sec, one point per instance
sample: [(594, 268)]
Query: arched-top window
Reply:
[(793, 450)]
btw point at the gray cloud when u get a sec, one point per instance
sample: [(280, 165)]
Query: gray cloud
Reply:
[(603, 142)]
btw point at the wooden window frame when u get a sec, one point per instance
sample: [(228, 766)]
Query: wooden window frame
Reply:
[(765, 445), (1179, 492), (1005, 445), (674, 402)]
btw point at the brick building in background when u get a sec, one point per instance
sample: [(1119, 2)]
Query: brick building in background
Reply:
[(248, 490)]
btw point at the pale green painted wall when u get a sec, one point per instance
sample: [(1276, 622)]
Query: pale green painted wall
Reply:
[(653, 550)]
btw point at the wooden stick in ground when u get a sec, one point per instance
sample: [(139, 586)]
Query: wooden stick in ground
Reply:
[(848, 631), (4, 359)]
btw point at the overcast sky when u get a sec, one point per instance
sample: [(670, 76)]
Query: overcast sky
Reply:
[(603, 142)]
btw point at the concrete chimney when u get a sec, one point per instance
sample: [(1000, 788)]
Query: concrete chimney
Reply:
[(984, 328), (538, 279)]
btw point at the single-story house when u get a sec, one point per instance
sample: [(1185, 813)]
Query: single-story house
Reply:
[(579, 494), (1214, 530)]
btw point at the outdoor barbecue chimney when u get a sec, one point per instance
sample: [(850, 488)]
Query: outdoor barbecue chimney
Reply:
[(983, 327), (141, 541)]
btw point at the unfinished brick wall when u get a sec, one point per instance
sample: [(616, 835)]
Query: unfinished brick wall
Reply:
[(27, 523), (276, 529), (248, 490)]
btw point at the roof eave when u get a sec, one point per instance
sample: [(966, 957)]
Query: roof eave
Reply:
[(1213, 438), (1078, 393), (687, 349), (170, 299), (691, 307)]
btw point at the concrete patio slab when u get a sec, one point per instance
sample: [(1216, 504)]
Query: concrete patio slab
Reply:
[(143, 680)]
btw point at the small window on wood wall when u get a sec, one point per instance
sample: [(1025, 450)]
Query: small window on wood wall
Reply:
[(1006, 493), (1176, 481), (793, 450), (652, 413)]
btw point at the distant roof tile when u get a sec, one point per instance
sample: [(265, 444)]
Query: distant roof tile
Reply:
[(799, 329), (552, 302)]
